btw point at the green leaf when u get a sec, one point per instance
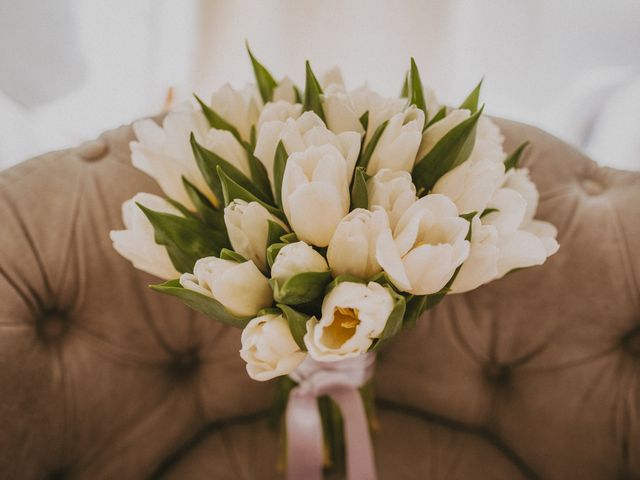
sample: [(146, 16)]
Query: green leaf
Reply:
[(359, 195), (487, 211), (274, 233), (437, 117), (416, 92), (312, 92), (208, 163), (365, 155), (206, 211), (272, 252), (259, 176), (202, 303), (216, 121), (289, 238), (513, 160), (186, 239), (264, 79), (300, 289), (471, 102), (452, 150), (181, 208), (226, 254), (364, 120), (279, 164), (415, 306), (404, 91), (232, 191), (394, 322), (298, 95), (297, 324)]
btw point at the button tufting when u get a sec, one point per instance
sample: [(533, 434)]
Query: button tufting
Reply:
[(52, 326), (185, 363), (631, 342), (498, 374), (92, 150), (592, 187)]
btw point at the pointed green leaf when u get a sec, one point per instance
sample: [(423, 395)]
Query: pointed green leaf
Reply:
[(206, 211), (264, 79), (272, 252), (260, 177), (437, 117), (208, 162), (181, 208), (216, 121), (404, 91), (279, 164), (364, 120), (359, 195), (300, 289), (202, 303), (227, 254), (274, 232), (471, 102), (416, 92), (186, 239), (312, 92), (415, 307), (297, 324), (394, 322), (452, 150), (232, 191), (289, 238), (365, 155), (513, 160), (298, 95)]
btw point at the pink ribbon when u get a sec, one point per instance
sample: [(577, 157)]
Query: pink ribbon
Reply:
[(340, 381)]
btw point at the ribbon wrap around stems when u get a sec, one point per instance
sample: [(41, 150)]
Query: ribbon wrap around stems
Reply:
[(340, 381)]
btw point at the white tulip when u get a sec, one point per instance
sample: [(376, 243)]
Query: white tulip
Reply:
[(546, 233), (398, 145), (510, 209), (248, 228), (240, 287), (518, 179), (352, 249), (269, 348), (285, 90), (393, 191), (471, 184), (137, 244), (278, 111), (353, 316), (164, 153), (428, 245), (315, 193), (489, 140), (438, 130), (299, 134), (240, 108), (482, 264), (296, 258), (226, 146), (344, 109), (519, 249)]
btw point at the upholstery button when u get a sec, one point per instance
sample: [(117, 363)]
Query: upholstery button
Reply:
[(92, 150), (592, 187), (498, 374), (185, 363), (631, 342), (52, 326)]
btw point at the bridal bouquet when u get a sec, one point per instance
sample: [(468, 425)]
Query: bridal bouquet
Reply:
[(322, 222)]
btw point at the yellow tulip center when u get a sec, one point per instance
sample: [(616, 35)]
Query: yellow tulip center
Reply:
[(343, 327)]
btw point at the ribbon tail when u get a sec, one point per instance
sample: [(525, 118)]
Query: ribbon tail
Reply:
[(359, 451), (304, 437)]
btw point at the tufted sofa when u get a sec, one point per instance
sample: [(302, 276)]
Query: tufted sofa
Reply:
[(533, 376)]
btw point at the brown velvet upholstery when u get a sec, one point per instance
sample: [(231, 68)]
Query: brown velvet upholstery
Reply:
[(533, 376)]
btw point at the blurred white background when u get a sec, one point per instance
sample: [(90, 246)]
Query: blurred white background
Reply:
[(72, 68)]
